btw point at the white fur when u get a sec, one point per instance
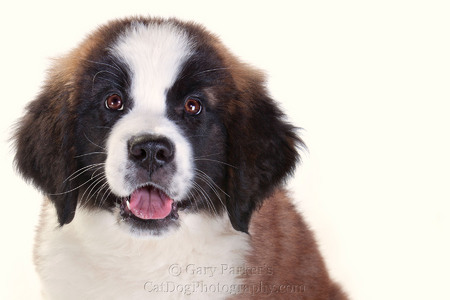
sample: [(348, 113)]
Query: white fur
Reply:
[(91, 259), (154, 54), (118, 167)]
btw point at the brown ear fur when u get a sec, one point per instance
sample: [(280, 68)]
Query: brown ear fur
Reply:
[(262, 146), (45, 135), (44, 141)]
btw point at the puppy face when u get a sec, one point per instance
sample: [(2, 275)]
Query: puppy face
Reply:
[(148, 117)]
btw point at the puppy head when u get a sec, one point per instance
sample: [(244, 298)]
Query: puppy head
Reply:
[(151, 117)]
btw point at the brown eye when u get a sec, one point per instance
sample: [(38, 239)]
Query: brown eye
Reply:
[(193, 106), (114, 102)]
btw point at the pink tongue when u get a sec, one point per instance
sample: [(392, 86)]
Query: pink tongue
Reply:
[(149, 203)]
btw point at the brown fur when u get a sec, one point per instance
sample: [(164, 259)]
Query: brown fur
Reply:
[(285, 262)]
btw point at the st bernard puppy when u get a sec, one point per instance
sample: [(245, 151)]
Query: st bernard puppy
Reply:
[(162, 159)]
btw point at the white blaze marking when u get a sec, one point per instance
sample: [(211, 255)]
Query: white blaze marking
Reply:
[(154, 55)]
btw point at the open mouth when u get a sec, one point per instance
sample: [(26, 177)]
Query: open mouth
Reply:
[(149, 203)]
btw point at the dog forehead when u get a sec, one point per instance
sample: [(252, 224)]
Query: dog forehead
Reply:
[(154, 55)]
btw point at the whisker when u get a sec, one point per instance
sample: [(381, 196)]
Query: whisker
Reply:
[(192, 197), (205, 71), (105, 195), (103, 71), (208, 200), (83, 170), (212, 185), (71, 190), (100, 189), (216, 193), (120, 69), (208, 155), (212, 70), (197, 135), (114, 66), (91, 153), (105, 64), (93, 142), (91, 187), (217, 161), (207, 179), (198, 196), (112, 82)]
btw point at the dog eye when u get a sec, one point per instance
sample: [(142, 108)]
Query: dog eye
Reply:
[(193, 106), (114, 102)]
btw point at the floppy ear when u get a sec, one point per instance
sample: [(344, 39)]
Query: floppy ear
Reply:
[(262, 151), (44, 145)]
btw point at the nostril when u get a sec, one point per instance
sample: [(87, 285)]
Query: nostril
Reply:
[(164, 151), (138, 152), (150, 151), (162, 155)]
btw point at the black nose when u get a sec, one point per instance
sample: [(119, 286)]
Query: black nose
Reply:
[(151, 152)]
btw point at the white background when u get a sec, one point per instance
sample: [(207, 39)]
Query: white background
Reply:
[(367, 80)]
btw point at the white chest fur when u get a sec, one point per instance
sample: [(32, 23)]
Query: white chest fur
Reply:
[(91, 258)]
